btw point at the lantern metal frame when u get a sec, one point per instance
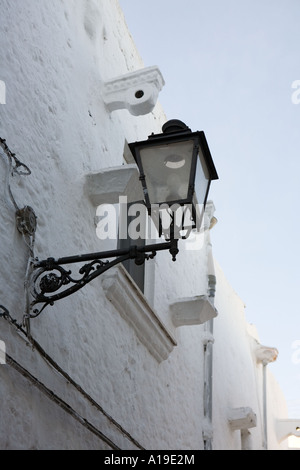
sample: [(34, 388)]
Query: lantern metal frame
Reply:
[(175, 131)]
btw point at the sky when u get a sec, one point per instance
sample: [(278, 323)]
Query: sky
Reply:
[(232, 69)]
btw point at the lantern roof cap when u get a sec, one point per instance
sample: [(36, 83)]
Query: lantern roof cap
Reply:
[(175, 125)]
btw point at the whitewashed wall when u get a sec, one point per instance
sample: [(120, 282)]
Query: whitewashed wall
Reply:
[(112, 390), (238, 376)]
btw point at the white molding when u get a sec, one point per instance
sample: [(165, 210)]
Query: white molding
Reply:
[(242, 418), (265, 354), (192, 311), (136, 91), (133, 307), (287, 427), (106, 186)]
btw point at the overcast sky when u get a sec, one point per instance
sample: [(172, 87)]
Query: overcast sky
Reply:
[(230, 67)]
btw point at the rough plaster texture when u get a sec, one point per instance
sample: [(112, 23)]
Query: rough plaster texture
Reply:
[(54, 58)]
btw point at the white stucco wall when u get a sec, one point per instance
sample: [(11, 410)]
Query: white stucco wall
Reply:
[(54, 57), (238, 376)]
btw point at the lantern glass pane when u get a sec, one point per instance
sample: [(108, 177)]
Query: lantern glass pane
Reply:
[(202, 179), (167, 169)]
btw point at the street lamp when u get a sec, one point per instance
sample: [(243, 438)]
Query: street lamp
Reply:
[(176, 169)]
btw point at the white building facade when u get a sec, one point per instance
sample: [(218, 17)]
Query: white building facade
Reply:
[(171, 365)]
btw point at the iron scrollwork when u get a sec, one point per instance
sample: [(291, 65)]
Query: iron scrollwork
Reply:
[(53, 282), (50, 281)]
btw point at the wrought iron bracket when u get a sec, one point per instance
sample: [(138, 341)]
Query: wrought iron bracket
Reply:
[(50, 281)]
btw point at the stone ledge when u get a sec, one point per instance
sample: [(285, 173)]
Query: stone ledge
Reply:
[(107, 185), (242, 418), (133, 307), (192, 311)]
